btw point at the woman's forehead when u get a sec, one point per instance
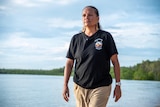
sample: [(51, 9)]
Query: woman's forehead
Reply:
[(88, 9)]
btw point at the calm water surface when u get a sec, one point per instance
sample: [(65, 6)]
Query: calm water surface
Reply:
[(46, 91)]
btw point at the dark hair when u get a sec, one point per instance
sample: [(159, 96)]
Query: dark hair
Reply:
[(97, 13)]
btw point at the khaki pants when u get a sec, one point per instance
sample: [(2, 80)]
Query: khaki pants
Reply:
[(97, 97)]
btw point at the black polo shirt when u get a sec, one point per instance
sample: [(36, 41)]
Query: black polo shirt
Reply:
[(92, 58)]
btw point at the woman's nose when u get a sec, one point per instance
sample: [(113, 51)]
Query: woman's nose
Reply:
[(86, 17)]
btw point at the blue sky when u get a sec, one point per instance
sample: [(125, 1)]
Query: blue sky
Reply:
[(35, 34)]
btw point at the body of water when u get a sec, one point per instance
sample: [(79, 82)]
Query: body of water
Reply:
[(46, 91)]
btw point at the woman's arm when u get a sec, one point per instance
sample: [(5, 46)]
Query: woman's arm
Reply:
[(116, 66), (67, 73)]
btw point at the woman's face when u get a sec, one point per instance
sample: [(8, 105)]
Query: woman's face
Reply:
[(89, 17)]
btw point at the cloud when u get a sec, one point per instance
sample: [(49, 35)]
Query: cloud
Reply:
[(17, 49), (58, 58), (16, 40), (137, 35), (20, 41), (64, 23), (35, 3), (60, 2), (3, 8), (114, 17), (25, 3)]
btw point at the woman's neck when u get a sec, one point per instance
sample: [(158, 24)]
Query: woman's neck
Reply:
[(90, 31)]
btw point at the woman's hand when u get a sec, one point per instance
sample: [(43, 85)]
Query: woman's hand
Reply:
[(66, 93), (117, 93)]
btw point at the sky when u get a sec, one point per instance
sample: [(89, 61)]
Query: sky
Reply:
[(35, 34)]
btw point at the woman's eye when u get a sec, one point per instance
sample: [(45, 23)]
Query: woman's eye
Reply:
[(87, 15)]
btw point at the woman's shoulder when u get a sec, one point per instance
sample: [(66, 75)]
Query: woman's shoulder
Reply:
[(77, 35), (105, 32)]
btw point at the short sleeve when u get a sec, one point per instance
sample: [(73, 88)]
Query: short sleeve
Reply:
[(70, 52), (111, 46)]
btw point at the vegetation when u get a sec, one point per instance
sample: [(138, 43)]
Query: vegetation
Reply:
[(147, 70), (58, 71)]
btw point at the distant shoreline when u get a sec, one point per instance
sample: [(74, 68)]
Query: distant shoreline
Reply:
[(147, 70), (58, 71)]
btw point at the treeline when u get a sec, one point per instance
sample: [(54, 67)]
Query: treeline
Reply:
[(58, 71), (147, 70)]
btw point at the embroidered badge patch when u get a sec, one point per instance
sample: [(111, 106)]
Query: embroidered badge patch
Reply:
[(98, 43)]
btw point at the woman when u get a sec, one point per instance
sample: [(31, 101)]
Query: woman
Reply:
[(91, 51)]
